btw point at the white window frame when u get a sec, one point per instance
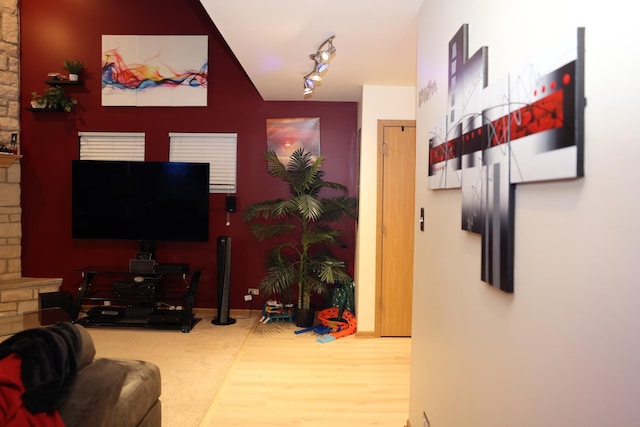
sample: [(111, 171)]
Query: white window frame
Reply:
[(112, 146), (220, 150)]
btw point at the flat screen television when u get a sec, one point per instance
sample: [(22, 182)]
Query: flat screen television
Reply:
[(144, 201)]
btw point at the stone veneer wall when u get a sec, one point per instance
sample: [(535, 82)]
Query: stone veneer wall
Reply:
[(17, 294), (10, 208), (10, 222)]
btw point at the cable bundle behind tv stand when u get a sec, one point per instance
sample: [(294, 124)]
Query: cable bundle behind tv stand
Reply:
[(114, 296)]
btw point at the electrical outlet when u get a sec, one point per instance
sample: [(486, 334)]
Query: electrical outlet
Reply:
[(248, 297), (425, 420), (254, 291)]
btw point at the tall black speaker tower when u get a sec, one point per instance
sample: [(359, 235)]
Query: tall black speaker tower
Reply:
[(224, 275)]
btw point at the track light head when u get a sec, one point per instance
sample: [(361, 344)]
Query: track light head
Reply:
[(309, 81), (309, 84), (322, 56), (325, 55), (320, 67)]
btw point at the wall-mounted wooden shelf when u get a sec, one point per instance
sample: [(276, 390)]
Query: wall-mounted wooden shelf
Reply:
[(7, 160), (45, 110), (62, 82)]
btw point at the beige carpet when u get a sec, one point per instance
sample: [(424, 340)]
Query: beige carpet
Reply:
[(192, 365)]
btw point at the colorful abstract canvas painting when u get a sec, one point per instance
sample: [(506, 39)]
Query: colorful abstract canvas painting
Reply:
[(146, 71)]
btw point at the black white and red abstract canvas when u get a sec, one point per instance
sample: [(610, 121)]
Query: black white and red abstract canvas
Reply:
[(525, 127)]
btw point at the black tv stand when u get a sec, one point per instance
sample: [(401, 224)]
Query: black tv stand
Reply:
[(109, 296)]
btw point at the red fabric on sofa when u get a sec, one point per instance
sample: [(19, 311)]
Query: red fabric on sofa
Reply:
[(12, 410)]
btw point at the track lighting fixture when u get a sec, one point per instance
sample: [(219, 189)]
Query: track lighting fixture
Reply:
[(321, 63)]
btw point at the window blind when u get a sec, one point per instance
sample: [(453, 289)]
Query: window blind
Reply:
[(111, 146), (217, 149)]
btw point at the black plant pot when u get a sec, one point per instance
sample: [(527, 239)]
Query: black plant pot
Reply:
[(304, 317)]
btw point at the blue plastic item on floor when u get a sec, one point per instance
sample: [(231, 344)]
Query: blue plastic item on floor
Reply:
[(325, 338), (318, 329)]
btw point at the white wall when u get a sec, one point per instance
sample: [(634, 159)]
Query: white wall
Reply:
[(377, 103), (564, 349)]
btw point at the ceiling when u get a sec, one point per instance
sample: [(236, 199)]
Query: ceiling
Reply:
[(375, 43)]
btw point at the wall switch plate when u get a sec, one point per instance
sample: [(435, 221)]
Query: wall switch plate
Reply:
[(248, 297)]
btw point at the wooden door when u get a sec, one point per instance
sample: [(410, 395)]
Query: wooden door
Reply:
[(396, 215)]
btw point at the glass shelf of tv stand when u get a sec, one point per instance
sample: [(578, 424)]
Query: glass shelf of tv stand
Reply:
[(121, 269), (169, 308)]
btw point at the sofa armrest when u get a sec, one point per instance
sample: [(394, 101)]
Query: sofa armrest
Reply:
[(112, 393), (88, 351)]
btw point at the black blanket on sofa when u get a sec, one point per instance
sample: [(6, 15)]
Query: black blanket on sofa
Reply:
[(49, 363)]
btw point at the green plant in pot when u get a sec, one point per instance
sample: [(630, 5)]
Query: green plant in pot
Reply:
[(37, 101), (73, 66), (55, 98), (303, 226)]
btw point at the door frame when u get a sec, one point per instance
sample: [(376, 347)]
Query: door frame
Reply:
[(378, 296)]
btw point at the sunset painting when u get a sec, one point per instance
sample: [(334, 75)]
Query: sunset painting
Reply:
[(284, 136)]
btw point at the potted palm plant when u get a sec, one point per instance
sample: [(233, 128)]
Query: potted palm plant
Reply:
[(304, 227)]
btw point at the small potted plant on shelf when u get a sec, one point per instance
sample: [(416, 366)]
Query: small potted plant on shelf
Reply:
[(73, 66), (37, 100), (304, 226)]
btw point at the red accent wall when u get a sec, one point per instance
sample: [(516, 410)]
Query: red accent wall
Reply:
[(54, 31)]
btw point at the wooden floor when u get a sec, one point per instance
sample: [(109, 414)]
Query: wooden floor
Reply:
[(288, 380)]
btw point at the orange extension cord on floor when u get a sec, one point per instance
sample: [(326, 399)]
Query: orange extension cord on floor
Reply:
[(329, 317)]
